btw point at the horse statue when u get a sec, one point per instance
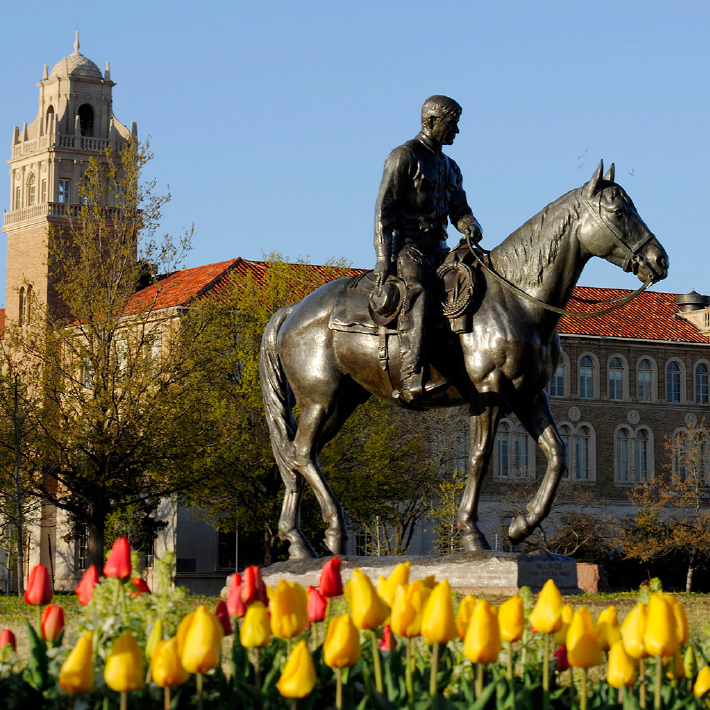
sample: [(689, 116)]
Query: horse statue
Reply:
[(502, 363)]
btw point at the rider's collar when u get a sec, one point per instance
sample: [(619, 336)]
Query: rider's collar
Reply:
[(429, 143)]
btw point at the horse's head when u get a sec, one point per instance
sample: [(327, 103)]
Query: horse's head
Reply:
[(613, 230)]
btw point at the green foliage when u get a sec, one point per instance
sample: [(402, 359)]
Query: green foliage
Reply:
[(444, 514)]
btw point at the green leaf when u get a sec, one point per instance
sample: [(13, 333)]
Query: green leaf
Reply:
[(37, 664)]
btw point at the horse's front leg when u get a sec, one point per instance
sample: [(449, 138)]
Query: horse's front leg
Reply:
[(540, 424), (483, 425)]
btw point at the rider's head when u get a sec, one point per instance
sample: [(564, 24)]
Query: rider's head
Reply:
[(440, 118)]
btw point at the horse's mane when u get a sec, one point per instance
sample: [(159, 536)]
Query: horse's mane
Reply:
[(523, 256)]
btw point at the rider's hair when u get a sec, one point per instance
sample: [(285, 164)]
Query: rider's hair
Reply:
[(439, 106)]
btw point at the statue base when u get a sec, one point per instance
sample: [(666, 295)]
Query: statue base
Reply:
[(489, 571)]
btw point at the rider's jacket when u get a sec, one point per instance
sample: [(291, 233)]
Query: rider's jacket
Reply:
[(421, 189)]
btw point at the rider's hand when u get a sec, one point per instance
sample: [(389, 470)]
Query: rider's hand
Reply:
[(474, 231)]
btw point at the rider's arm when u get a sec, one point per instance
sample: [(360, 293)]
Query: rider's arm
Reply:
[(395, 178), (460, 213)]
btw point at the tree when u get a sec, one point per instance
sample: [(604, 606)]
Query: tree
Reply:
[(372, 466), (672, 518), (120, 420), (444, 513)]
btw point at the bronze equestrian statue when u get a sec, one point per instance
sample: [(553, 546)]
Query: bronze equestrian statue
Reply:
[(326, 355), (421, 189)]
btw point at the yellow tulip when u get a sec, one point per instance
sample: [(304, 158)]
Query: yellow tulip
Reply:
[(566, 620), (676, 669), (681, 620), (201, 649), (165, 667), (182, 630), (702, 682), (387, 588), (298, 677), (368, 609), (155, 635), (438, 624), (341, 648), (582, 647), (690, 664), (622, 668), (482, 643), (408, 609), (256, 628), (463, 618), (632, 631), (545, 617), (429, 582), (511, 619), (608, 628), (289, 610), (660, 638), (124, 671), (77, 672)]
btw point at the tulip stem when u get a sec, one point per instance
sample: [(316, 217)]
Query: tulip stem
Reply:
[(434, 669), (546, 664), (199, 691), (408, 670), (376, 661), (509, 647), (339, 688), (39, 620), (257, 666), (124, 700), (658, 684), (642, 683), (166, 697), (479, 680), (583, 691)]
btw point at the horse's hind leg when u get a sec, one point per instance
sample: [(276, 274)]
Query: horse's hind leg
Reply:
[(290, 520), (482, 432), (539, 422), (311, 425)]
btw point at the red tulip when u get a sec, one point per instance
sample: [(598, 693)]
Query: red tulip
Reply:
[(317, 604), (52, 622), (253, 588), (7, 638), (330, 583), (222, 615), (85, 588), (561, 656), (235, 605), (387, 642), (139, 587), (118, 563), (39, 586)]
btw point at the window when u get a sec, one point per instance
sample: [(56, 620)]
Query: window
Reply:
[(579, 445), (21, 308), (25, 306), (644, 374), (88, 373), (43, 191), (586, 378), (514, 453), (616, 379), (82, 549), (701, 384), (50, 118), (557, 383), (18, 198), (673, 383), (633, 455), (691, 455), (64, 195), (31, 190), (226, 549), (86, 120), (363, 543)]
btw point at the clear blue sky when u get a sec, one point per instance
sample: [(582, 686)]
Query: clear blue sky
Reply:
[(270, 121)]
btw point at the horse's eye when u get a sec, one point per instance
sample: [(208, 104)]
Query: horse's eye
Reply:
[(619, 212)]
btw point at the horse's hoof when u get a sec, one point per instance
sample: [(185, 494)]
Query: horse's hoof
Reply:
[(301, 550), (519, 529), (335, 542), (475, 542)]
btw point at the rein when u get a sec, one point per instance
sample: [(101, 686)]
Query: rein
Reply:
[(616, 302)]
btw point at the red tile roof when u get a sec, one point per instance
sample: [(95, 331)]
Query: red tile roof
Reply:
[(650, 316)]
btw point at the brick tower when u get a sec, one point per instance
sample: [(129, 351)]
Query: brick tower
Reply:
[(74, 122)]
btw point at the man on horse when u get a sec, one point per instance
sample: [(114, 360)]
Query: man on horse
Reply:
[(421, 190)]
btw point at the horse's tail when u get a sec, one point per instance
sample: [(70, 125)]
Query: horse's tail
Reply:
[(277, 395)]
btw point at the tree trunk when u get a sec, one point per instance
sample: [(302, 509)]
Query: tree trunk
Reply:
[(689, 577), (268, 542), (19, 530), (96, 530)]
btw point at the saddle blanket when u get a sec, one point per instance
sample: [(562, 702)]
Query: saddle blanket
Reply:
[(350, 313)]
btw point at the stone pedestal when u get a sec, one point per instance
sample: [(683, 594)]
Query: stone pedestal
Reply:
[(477, 572)]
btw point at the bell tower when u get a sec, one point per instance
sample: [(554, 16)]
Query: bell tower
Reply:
[(75, 122)]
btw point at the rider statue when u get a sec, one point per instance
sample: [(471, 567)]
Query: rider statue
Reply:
[(421, 190)]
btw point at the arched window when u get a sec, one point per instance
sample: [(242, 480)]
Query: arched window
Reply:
[(86, 120), (557, 383), (579, 445), (514, 454), (501, 462), (521, 452), (644, 374), (582, 454), (21, 308), (623, 468), (701, 384), (633, 455), (50, 118), (673, 383), (31, 189), (641, 456), (586, 378), (616, 379)]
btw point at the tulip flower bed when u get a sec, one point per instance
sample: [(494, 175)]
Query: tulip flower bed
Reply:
[(397, 644)]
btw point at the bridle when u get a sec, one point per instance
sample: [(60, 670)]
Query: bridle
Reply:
[(631, 255)]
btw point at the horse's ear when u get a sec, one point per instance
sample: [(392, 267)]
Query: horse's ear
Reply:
[(610, 173), (594, 185)]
